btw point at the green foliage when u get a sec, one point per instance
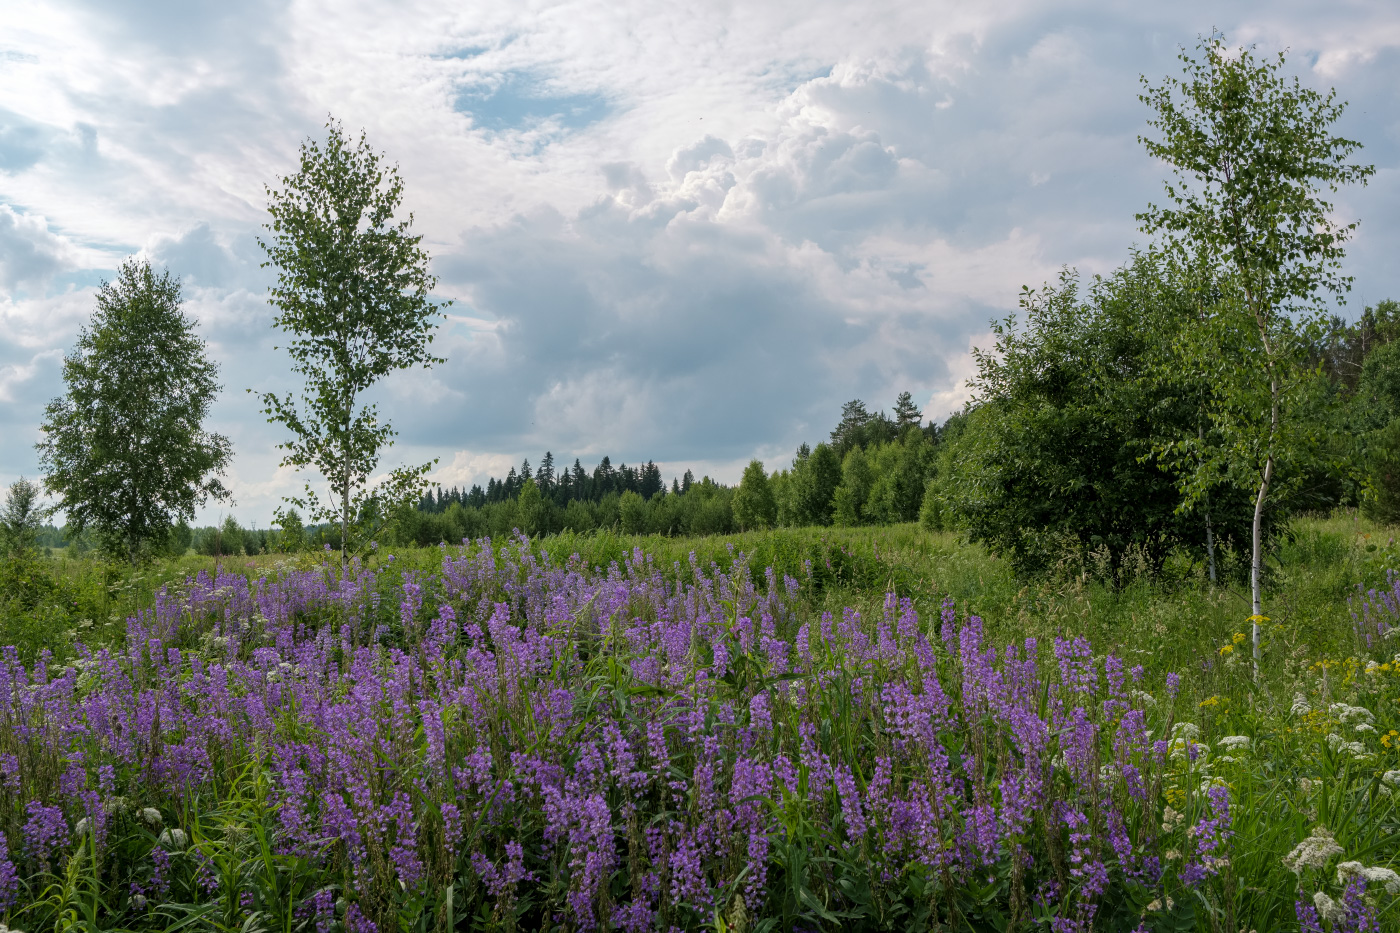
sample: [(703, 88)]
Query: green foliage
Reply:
[(125, 449), (1251, 152), (848, 504), (754, 505), (21, 520), (1288, 780), (1383, 474), (1055, 459), (632, 513), (352, 295), (810, 487), (293, 536)]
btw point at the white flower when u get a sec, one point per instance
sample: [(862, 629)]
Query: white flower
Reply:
[(151, 817), (1186, 730), (1349, 714), (1391, 777), (1339, 744), (173, 839), (1313, 852), (1300, 705), (1234, 742), (1144, 698), (82, 828), (1372, 668), (1331, 911), (1170, 819), (1365, 727), (1375, 875)]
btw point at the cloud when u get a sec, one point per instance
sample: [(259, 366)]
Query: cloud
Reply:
[(684, 233), (30, 255)]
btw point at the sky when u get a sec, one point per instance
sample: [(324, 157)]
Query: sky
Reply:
[(684, 233)]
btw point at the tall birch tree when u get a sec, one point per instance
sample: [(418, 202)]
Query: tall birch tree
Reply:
[(1253, 159), (352, 293)]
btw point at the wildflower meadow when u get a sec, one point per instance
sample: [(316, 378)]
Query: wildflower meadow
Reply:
[(493, 737)]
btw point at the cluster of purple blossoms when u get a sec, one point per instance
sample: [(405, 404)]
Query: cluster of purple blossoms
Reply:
[(641, 746)]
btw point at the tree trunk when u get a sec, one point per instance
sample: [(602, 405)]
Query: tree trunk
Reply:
[(1210, 546), (1210, 533), (1257, 562), (344, 516)]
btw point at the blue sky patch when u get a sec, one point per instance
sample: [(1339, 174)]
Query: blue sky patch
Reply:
[(521, 102)]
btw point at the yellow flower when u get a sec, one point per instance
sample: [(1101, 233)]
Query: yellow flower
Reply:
[(1239, 637), (1211, 701), (1227, 649), (1257, 619)]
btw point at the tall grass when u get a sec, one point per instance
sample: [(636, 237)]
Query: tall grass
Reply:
[(819, 729)]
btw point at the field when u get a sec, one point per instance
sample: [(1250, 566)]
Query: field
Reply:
[(822, 729)]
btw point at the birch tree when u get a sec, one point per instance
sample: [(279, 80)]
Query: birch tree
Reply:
[(1253, 160), (352, 293)]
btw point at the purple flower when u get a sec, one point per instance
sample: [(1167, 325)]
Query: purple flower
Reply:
[(851, 810), (1360, 916), (1308, 920), (9, 882), (44, 831)]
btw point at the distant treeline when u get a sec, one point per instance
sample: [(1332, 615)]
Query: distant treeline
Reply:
[(873, 470)]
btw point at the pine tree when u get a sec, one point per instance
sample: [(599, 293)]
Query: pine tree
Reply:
[(906, 414)]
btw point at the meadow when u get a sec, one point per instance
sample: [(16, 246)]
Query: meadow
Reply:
[(854, 729)]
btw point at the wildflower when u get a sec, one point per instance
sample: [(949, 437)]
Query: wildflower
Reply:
[(1349, 714), (1313, 852), (173, 839), (1346, 871), (1339, 744), (151, 817), (1308, 920), (1234, 743), (1328, 909), (9, 883), (1173, 685), (1300, 705), (1357, 914)]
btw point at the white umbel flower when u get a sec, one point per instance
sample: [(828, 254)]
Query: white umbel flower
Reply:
[(1330, 910), (173, 839), (1300, 705), (1374, 875), (1313, 852), (1351, 714), (1234, 743)]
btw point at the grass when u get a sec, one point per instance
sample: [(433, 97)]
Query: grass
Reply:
[(1310, 761)]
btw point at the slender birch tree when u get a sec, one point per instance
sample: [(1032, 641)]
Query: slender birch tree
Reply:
[(1253, 157), (352, 293)]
